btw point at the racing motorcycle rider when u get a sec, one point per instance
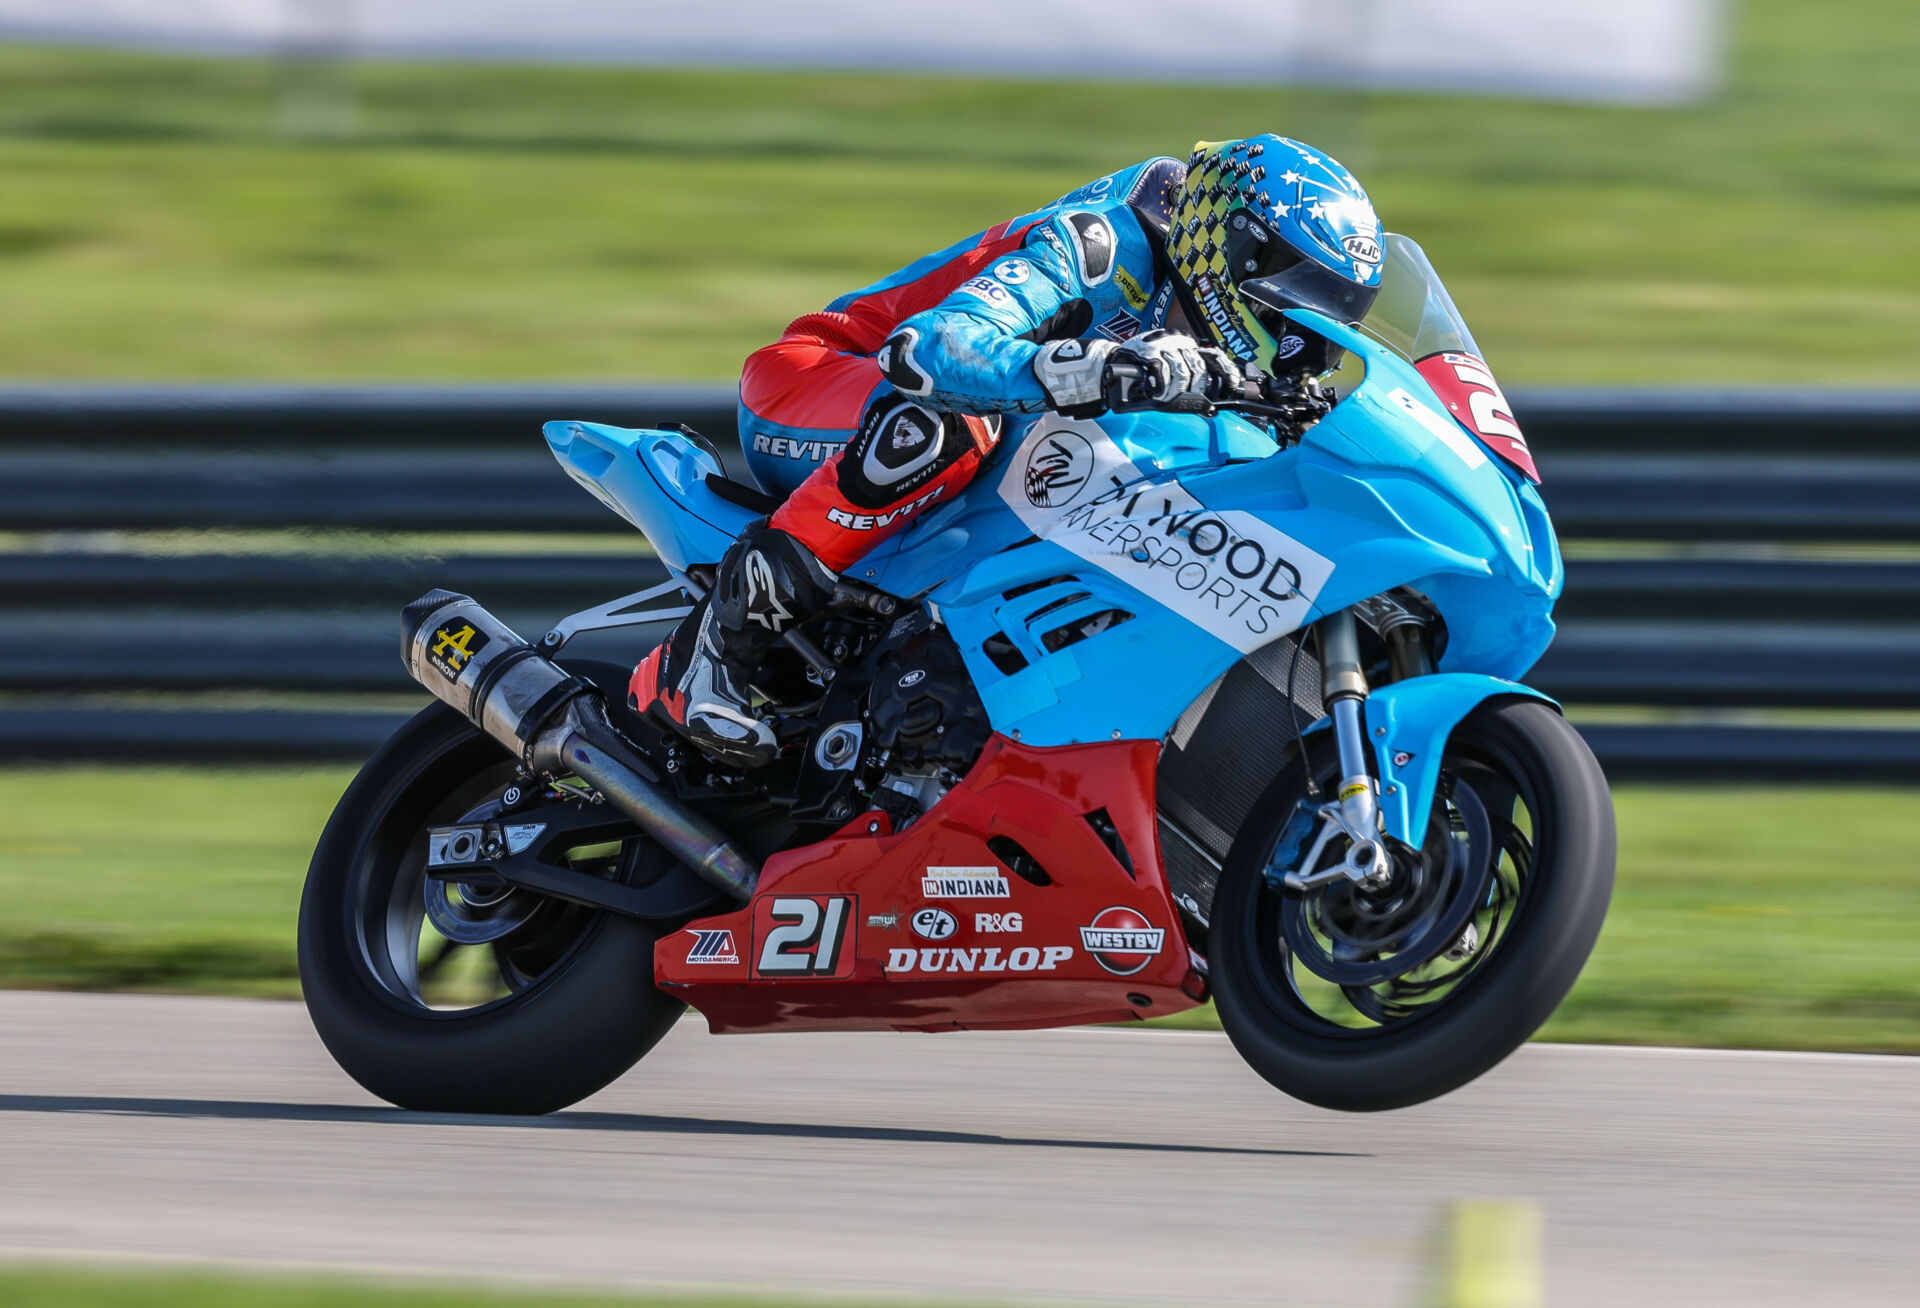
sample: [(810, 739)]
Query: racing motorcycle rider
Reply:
[(913, 374)]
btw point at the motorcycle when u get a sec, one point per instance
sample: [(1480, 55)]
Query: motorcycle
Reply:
[(1165, 706)]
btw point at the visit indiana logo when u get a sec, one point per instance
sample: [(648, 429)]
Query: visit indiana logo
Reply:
[(964, 883)]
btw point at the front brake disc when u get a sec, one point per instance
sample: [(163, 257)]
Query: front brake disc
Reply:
[(1447, 888)]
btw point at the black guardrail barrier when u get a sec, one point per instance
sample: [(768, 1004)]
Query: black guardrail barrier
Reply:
[(1729, 550)]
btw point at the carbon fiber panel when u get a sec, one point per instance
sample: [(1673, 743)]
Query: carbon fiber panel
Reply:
[(1224, 751)]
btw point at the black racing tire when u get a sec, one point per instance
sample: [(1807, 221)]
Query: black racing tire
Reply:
[(586, 1020), (1500, 1005)]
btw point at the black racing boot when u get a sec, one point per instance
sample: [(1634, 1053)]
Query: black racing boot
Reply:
[(767, 584)]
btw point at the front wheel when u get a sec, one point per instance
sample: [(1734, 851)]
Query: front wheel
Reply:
[(1362, 998)]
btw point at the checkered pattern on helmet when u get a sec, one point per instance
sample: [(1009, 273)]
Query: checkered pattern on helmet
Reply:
[(1219, 181)]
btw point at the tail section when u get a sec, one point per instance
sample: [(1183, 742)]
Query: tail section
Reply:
[(656, 480)]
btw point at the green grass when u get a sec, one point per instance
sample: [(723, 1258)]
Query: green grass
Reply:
[(1782, 918), (156, 879), (38, 1287), (489, 222)]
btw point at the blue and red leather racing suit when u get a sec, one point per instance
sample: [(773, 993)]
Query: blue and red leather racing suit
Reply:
[(888, 399)]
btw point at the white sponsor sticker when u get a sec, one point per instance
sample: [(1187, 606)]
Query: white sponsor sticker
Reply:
[(1227, 572), (988, 924), (1011, 271), (520, 835), (985, 288), (934, 924), (1444, 428), (965, 883), (1123, 940), (988, 959)]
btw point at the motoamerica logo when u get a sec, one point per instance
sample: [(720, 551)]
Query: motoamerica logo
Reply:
[(712, 947)]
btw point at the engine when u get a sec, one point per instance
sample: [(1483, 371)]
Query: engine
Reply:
[(926, 724), (898, 732)]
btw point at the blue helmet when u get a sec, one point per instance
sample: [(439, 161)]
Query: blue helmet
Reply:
[(1263, 225)]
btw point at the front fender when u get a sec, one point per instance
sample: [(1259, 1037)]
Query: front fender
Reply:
[(1408, 723)]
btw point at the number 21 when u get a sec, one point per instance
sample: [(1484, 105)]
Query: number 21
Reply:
[(806, 938)]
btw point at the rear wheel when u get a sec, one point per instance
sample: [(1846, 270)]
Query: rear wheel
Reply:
[(1370, 998), (452, 998)]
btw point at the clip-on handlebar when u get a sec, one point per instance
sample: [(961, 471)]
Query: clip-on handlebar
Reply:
[(1250, 391)]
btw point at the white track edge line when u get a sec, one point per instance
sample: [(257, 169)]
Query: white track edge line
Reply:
[(1808, 1055)]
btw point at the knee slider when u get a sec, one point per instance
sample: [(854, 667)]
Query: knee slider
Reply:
[(900, 447)]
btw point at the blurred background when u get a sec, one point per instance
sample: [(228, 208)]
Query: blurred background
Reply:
[(286, 285)]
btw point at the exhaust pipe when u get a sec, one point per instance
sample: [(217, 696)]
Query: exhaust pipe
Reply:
[(554, 724)]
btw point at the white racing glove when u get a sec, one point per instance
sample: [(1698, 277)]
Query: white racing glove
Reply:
[(1075, 373), (1175, 365)]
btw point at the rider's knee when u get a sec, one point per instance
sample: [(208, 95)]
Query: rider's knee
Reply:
[(903, 447)]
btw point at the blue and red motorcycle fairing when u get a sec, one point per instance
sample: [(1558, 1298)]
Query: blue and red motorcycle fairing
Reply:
[(1385, 899)]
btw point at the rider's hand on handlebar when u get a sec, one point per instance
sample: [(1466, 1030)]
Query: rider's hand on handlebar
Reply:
[(1164, 369), (1160, 370)]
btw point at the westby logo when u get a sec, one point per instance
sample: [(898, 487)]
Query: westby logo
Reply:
[(1122, 940)]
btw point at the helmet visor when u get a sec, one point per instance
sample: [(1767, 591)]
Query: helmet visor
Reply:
[(1306, 285)]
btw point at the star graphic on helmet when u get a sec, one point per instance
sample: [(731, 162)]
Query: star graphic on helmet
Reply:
[(1317, 212), (1290, 176), (1313, 161)]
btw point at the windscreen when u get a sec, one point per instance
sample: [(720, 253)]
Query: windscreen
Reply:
[(1413, 314)]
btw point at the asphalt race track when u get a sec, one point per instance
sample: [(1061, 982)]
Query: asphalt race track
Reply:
[(1058, 1166)]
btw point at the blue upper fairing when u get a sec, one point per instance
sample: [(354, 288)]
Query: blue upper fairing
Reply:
[(1392, 454), (1193, 528)]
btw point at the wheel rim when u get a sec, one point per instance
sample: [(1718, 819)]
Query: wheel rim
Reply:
[(442, 950), (1348, 963)]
